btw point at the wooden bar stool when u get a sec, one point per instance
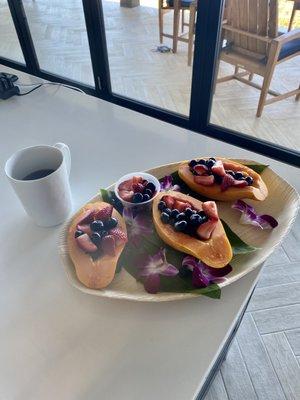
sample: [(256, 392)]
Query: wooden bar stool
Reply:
[(178, 6), (295, 8)]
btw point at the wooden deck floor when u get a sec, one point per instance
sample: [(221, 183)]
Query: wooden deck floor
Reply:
[(138, 72), (263, 362)]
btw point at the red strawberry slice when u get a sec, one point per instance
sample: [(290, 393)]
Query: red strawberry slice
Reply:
[(85, 228), (137, 187), (205, 230), (126, 195), (200, 169), (126, 185), (228, 181), (119, 235), (137, 179), (108, 245), (85, 243), (218, 168), (242, 183), (205, 180), (210, 209), (87, 217), (104, 213), (181, 205), (169, 200)]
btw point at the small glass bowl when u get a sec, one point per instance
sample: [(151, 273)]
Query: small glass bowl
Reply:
[(144, 175)]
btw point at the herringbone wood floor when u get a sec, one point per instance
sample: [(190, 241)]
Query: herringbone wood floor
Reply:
[(138, 72)]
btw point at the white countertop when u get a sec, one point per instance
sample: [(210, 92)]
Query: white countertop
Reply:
[(58, 343)]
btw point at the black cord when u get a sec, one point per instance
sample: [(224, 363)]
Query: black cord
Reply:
[(50, 83), (24, 94)]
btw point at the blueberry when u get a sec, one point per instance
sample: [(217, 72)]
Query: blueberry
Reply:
[(249, 180), (164, 217), (137, 198), (111, 223), (239, 176), (192, 163), (151, 186), (210, 163), (195, 220), (78, 233), (213, 159), (146, 197), (218, 179), (230, 172), (188, 212), (167, 211), (161, 205), (184, 272), (96, 238), (180, 217), (202, 162), (103, 233), (149, 192), (174, 213), (97, 226), (180, 226)]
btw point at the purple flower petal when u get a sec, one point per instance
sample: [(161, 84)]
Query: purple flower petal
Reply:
[(152, 283), (250, 216), (138, 225), (203, 274), (167, 184), (199, 279), (169, 270)]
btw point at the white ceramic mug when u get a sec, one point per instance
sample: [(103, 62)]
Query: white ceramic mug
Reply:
[(47, 200)]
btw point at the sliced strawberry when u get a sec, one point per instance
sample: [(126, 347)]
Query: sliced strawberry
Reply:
[(228, 181), (126, 185), (85, 243), (108, 245), (200, 169), (137, 187), (87, 217), (242, 183), (210, 209), (181, 205), (85, 228), (104, 213), (205, 230), (205, 180), (126, 195), (119, 235), (137, 179), (218, 168), (169, 200)]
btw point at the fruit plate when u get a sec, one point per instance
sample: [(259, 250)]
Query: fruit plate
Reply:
[(282, 203)]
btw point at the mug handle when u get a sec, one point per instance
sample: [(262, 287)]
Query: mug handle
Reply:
[(66, 154)]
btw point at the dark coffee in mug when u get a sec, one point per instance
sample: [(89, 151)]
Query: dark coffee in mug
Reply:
[(41, 173)]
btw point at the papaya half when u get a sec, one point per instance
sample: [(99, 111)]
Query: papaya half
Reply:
[(96, 268), (235, 190), (215, 251)]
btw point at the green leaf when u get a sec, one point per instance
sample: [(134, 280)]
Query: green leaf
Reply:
[(105, 195), (109, 197), (237, 244), (259, 168)]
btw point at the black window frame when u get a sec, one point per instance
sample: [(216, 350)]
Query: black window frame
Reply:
[(207, 42)]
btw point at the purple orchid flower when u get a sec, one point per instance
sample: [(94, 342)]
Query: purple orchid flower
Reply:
[(153, 267), (167, 184), (139, 225), (202, 274), (250, 216)]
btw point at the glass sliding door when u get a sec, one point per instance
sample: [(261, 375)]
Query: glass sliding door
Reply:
[(60, 39), (259, 65), (145, 66), (9, 43)]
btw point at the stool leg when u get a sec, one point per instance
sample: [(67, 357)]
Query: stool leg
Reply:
[(160, 21), (292, 17), (191, 33), (176, 25), (182, 21)]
